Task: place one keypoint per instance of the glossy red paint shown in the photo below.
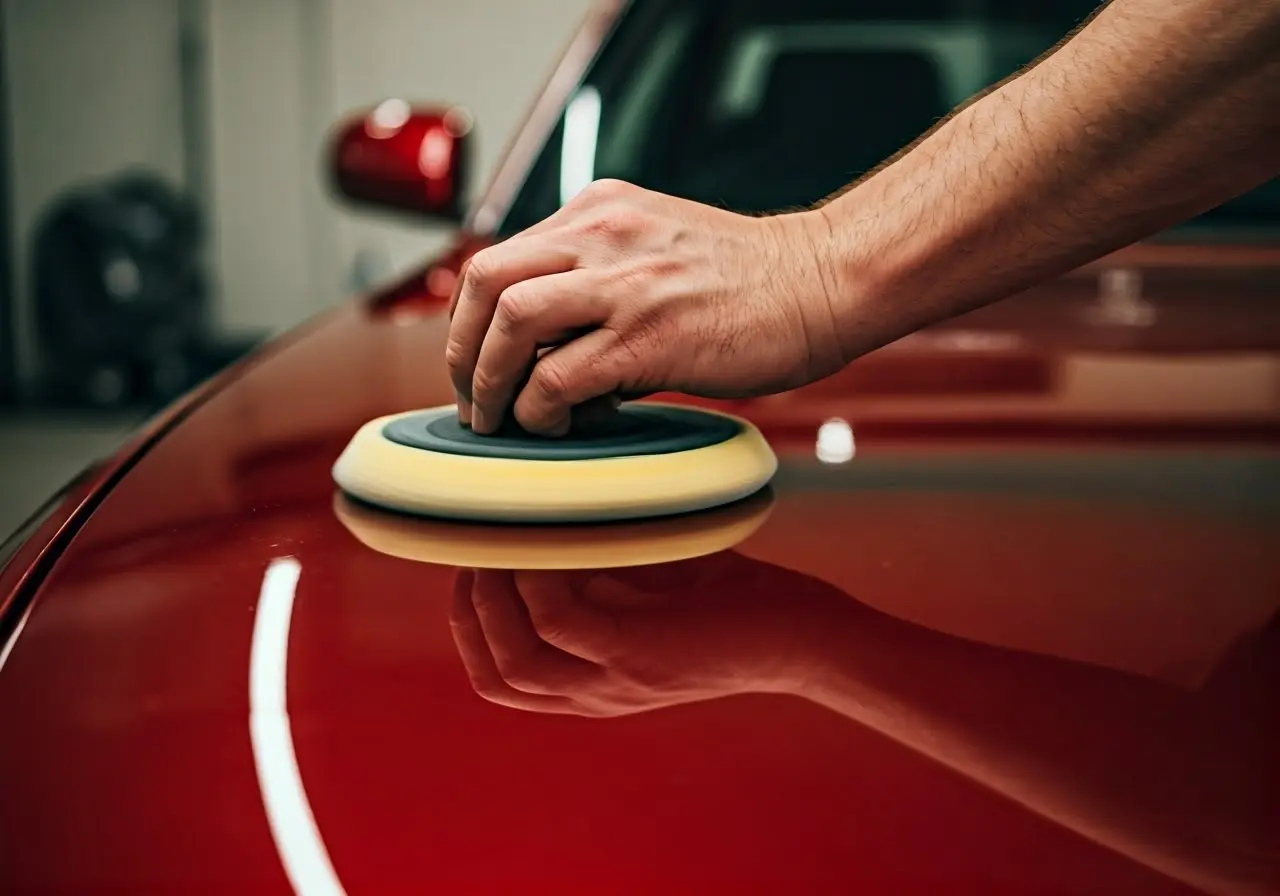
(1023, 640)
(874, 710)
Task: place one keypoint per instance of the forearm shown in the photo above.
(1154, 112)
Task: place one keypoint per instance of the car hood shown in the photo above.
(1031, 651)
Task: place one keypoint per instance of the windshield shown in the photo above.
(760, 105)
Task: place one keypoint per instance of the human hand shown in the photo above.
(624, 292)
(618, 642)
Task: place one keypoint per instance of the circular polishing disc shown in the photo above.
(651, 460)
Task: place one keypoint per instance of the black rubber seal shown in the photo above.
(636, 430)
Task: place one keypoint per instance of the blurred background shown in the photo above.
(162, 193)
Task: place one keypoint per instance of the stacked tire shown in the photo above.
(120, 298)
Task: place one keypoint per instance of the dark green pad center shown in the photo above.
(637, 429)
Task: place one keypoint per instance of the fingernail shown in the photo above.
(478, 421)
(464, 411)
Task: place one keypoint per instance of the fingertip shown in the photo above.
(556, 428)
(464, 411)
(550, 427)
(541, 419)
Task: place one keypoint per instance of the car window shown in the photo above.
(760, 106)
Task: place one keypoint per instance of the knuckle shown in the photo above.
(616, 224)
(480, 268)
(455, 354)
(520, 674)
(629, 222)
(461, 276)
(516, 308)
(483, 386)
(595, 224)
(548, 622)
(605, 188)
(551, 379)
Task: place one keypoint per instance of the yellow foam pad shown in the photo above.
(432, 483)
(596, 546)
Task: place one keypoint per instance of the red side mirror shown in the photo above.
(399, 157)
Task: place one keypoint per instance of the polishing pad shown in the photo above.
(651, 459)
(589, 546)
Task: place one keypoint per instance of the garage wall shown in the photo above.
(94, 88)
(264, 192)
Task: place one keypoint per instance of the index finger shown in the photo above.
(485, 276)
(541, 226)
(478, 661)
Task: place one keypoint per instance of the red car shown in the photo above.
(1005, 621)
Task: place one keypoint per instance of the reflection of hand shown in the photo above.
(624, 641)
(1184, 783)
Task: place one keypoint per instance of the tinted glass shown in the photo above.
(758, 105)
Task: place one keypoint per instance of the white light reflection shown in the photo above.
(13, 638)
(578, 149)
(835, 442)
(302, 851)
(433, 155)
(388, 118)
(1120, 300)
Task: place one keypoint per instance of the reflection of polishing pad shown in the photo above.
(650, 460)
(592, 546)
